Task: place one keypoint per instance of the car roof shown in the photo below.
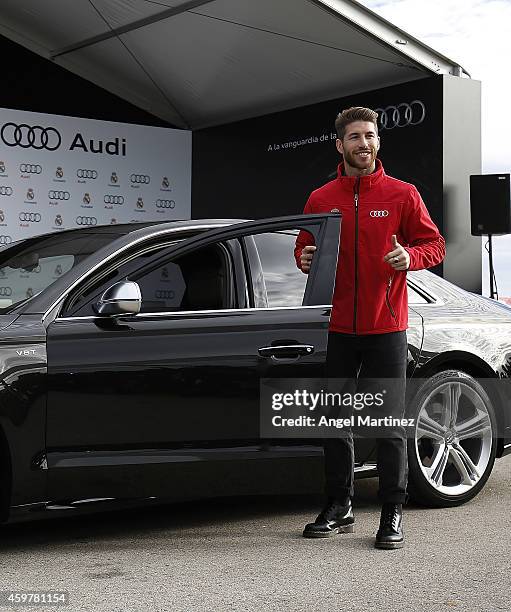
(126, 228)
(123, 229)
(151, 226)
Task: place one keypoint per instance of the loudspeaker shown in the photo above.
(490, 204)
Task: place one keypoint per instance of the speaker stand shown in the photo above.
(493, 293)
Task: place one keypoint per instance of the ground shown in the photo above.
(248, 554)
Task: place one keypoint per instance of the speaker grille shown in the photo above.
(490, 204)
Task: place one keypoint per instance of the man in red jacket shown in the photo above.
(386, 230)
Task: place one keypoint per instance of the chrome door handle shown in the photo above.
(286, 351)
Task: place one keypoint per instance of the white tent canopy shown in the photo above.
(199, 63)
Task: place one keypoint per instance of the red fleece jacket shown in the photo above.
(370, 297)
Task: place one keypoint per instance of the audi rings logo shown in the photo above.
(30, 216)
(30, 137)
(31, 168)
(86, 220)
(140, 178)
(164, 294)
(5, 291)
(86, 174)
(113, 199)
(379, 213)
(5, 239)
(59, 195)
(401, 115)
(165, 204)
(5, 191)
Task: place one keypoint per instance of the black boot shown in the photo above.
(336, 517)
(390, 533)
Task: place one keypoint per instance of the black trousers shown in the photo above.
(374, 356)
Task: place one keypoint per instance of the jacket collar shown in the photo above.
(366, 182)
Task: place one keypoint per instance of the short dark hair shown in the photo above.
(355, 113)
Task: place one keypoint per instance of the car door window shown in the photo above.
(200, 280)
(276, 280)
(224, 268)
(79, 303)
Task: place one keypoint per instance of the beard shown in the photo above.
(355, 161)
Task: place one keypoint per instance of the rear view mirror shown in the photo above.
(26, 261)
(120, 299)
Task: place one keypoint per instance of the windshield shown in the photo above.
(29, 266)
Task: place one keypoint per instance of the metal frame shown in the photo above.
(372, 25)
(135, 25)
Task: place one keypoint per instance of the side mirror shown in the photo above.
(122, 298)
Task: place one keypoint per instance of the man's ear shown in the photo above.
(378, 143)
(338, 146)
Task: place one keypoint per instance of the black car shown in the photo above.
(131, 357)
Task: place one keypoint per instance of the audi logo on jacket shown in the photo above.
(370, 297)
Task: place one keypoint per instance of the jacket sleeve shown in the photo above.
(304, 238)
(426, 246)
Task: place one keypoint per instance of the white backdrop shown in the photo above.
(63, 172)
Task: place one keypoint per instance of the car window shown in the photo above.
(79, 303)
(31, 277)
(276, 280)
(199, 280)
(31, 265)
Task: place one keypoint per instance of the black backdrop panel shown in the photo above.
(262, 167)
(32, 83)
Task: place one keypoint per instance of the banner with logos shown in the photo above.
(61, 172)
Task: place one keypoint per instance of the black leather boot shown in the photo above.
(390, 533)
(336, 517)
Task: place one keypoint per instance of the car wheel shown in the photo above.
(453, 449)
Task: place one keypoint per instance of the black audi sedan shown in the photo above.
(131, 357)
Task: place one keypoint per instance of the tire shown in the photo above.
(448, 464)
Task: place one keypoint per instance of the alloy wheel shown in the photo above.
(453, 438)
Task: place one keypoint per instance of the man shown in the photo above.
(385, 231)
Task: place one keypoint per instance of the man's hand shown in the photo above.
(398, 258)
(306, 258)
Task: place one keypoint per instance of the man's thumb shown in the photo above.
(394, 241)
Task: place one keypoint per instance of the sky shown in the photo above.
(476, 34)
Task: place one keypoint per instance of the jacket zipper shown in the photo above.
(387, 297)
(355, 299)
